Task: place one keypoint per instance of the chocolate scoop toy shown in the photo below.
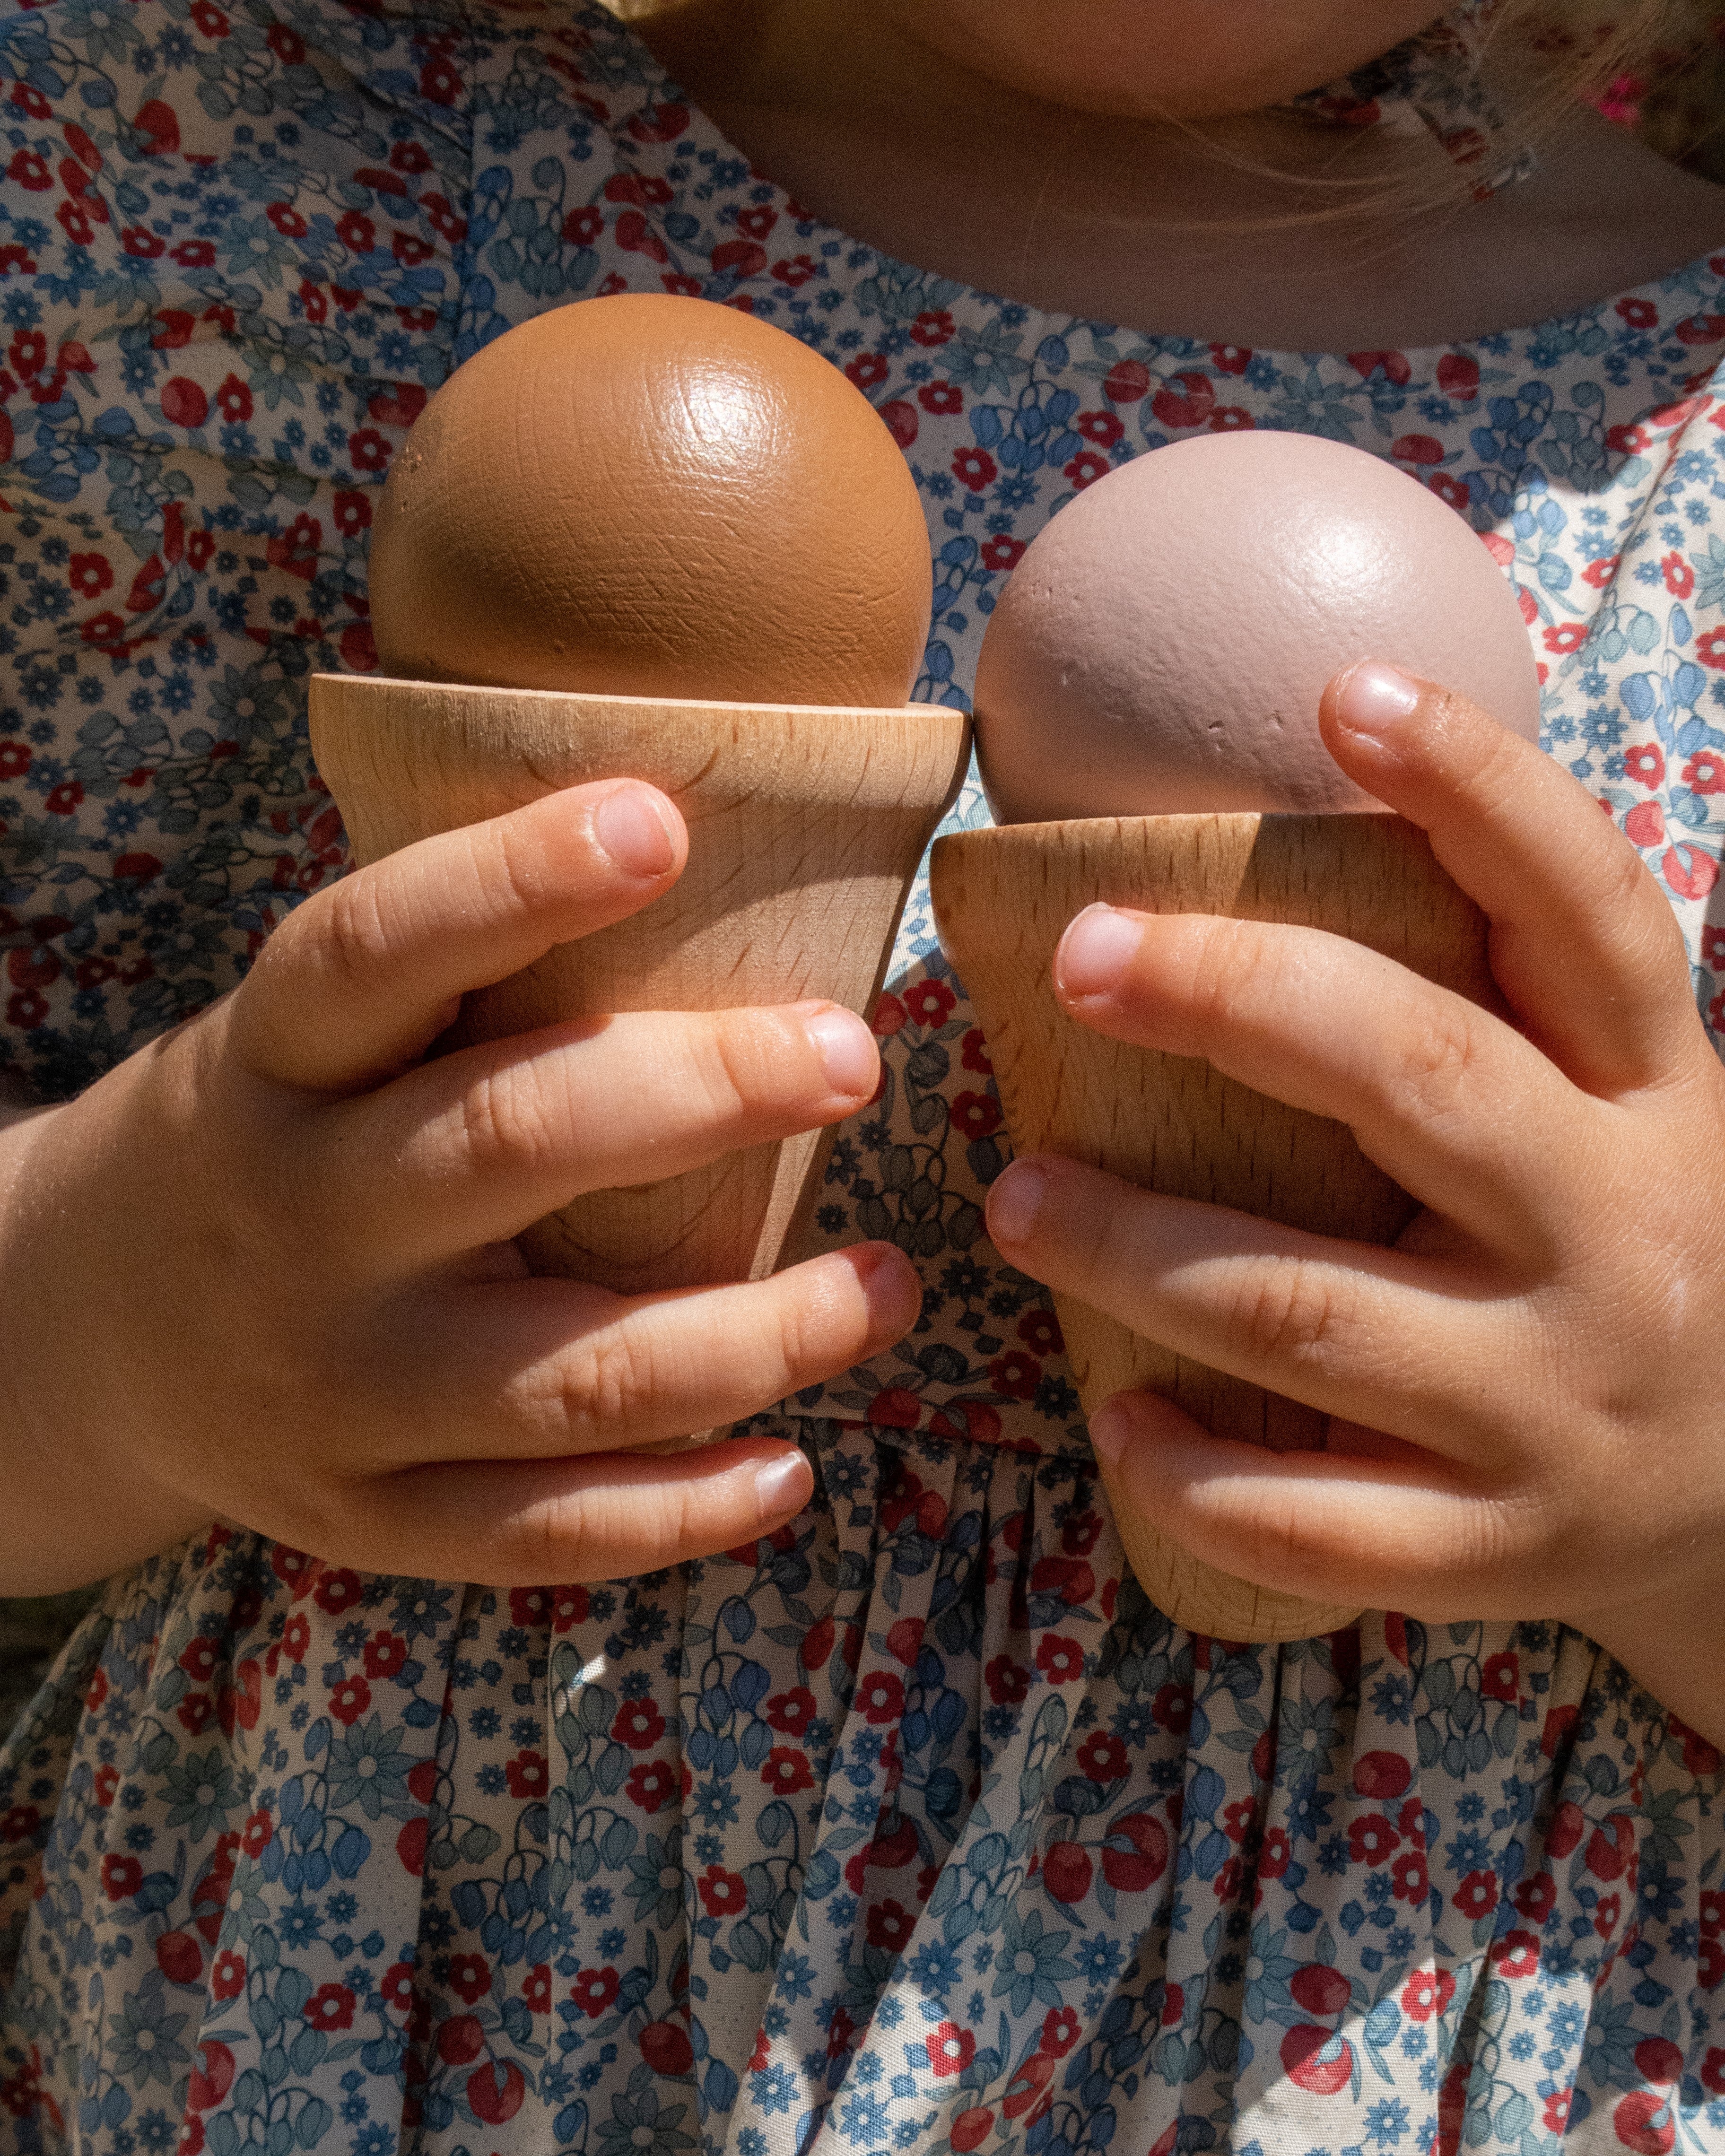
(654, 538)
(1159, 654)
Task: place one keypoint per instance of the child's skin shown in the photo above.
(262, 1271)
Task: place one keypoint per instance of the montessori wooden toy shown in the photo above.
(1161, 648)
(654, 539)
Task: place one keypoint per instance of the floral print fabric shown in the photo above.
(913, 1826)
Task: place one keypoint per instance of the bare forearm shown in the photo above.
(71, 1510)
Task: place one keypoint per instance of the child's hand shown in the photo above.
(1527, 1395)
(263, 1269)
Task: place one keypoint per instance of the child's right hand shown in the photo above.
(263, 1269)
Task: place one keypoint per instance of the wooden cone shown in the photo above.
(806, 826)
(1003, 898)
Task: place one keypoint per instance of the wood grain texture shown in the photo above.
(805, 829)
(1175, 1124)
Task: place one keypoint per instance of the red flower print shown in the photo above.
(974, 468)
(29, 171)
(408, 248)
(1699, 1757)
(257, 1835)
(1000, 552)
(386, 1654)
(1645, 824)
(194, 254)
(1417, 449)
(1500, 1676)
(1171, 1708)
(1477, 1894)
(183, 405)
(1556, 2110)
(107, 1785)
(1102, 1757)
(1559, 1721)
(722, 1893)
(1689, 872)
(1008, 1681)
(1231, 419)
(1320, 1989)
(529, 1776)
(200, 1660)
(196, 1712)
(934, 325)
(233, 400)
(1679, 576)
(1372, 1840)
(1713, 2071)
(122, 1876)
(439, 82)
(1643, 2120)
(335, 1592)
(1709, 1962)
(638, 1724)
(212, 2078)
(536, 1989)
(1458, 376)
(140, 242)
(786, 1771)
(651, 1786)
(1407, 1874)
(895, 1408)
(930, 1002)
(227, 1979)
(1644, 763)
(1705, 771)
(470, 1977)
(1517, 1954)
(1061, 2030)
(790, 1712)
(1015, 1376)
(1315, 2059)
(1427, 1992)
(1639, 313)
(1128, 381)
(368, 450)
(1061, 1661)
(330, 2006)
(209, 18)
(494, 2091)
(868, 369)
(1187, 401)
(65, 797)
(1536, 1897)
(179, 1958)
(1455, 491)
(1102, 427)
(975, 1115)
(1085, 469)
(796, 270)
(1710, 648)
(350, 1699)
(1275, 1855)
(1040, 1331)
(1567, 637)
(951, 2050)
(1231, 358)
(594, 1989)
(1599, 573)
(880, 1696)
(1240, 1820)
(942, 398)
(296, 1636)
(287, 220)
(582, 227)
(901, 421)
(15, 759)
(889, 1925)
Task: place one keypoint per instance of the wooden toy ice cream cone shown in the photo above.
(805, 828)
(1003, 898)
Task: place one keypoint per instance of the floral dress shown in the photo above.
(913, 1825)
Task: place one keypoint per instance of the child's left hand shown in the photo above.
(1527, 1393)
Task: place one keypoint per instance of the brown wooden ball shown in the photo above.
(646, 495)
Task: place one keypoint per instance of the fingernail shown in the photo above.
(779, 1485)
(1375, 699)
(846, 1050)
(1096, 950)
(1109, 1427)
(1015, 1200)
(632, 826)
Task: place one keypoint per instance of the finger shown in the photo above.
(1453, 1103)
(359, 980)
(1333, 1527)
(544, 1368)
(1585, 949)
(475, 1147)
(1378, 1337)
(607, 1516)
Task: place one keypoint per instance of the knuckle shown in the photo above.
(506, 1119)
(354, 944)
(1434, 1070)
(1287, 1313)
(737, 1068)
(607, 1389)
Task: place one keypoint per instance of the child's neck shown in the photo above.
(1169, 231)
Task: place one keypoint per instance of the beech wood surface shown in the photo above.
(1003, 898)
(806, 825)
